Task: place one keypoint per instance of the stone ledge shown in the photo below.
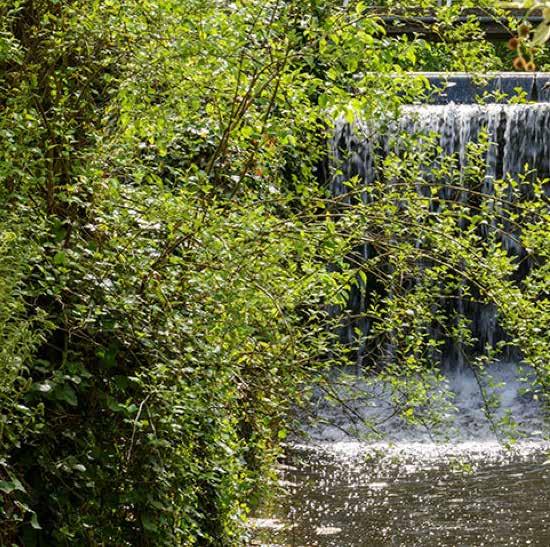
(464, 88)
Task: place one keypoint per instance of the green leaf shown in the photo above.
(34, 522)
(148, 523)
(59, 258)
(44, 387)
(66, 393)
(113, 405)
(541, 34)
(247, 131)
(7, 487)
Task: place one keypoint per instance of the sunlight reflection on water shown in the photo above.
(414, 487)
(353, 494)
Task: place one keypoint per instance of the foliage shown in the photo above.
(177, 262)
(165, 236)
(20, 334)
(530, 40)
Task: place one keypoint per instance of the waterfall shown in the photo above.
(518, 139)
(456, 412)
(520, 134)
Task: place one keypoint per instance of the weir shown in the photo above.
(368, 474)
(518, 142)
(462, 88)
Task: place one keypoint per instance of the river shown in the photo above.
(347, 494)
(413, 487)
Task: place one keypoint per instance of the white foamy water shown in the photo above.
(464, 408)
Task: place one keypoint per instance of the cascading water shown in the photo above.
(365, 475)
(520, 134)
(518, 144)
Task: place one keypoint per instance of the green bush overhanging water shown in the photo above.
(164, 241)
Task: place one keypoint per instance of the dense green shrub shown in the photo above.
(21, 333)
(164, 282)
(163, 252)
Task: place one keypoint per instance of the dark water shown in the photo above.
(348, 495)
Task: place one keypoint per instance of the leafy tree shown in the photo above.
(171, 257)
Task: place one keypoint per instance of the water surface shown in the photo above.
(351, 494)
